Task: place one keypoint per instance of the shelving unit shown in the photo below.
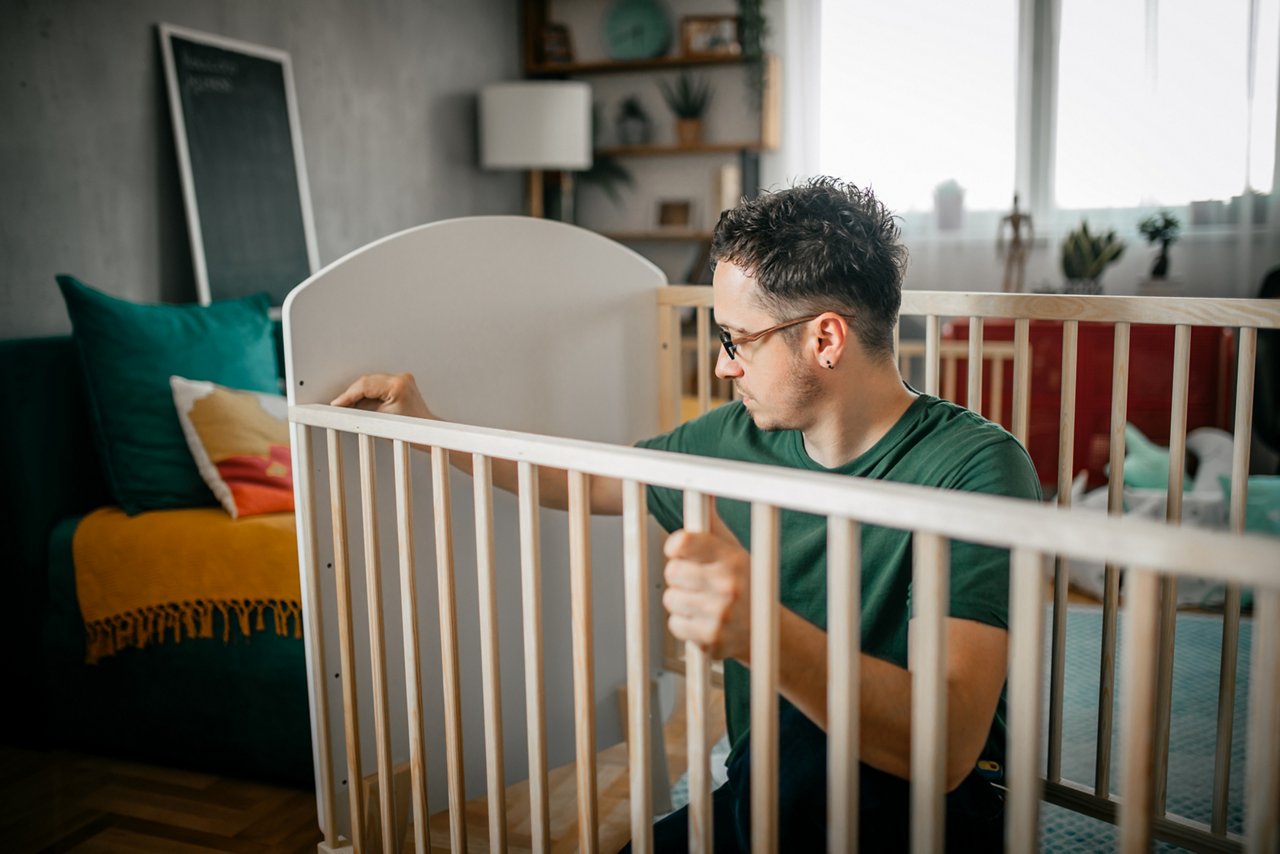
(614, 66)
(664, 170)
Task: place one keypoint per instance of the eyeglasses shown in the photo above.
(731, 346)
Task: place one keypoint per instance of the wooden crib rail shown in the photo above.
(1149, 550)
(1245, 317)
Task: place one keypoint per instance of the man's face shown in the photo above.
(773, 377)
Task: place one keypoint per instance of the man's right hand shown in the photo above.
(394, 393)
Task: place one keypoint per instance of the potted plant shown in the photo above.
(1085, 255)
(634, 125)
(1162, 228)
(607, 172)
(688, 98)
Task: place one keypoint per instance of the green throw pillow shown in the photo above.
(128, 352)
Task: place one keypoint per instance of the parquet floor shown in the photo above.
(59, 801)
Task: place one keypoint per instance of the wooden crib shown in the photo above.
(388, 290)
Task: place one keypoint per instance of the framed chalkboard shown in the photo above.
(244, 180)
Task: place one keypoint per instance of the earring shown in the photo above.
(829, 365)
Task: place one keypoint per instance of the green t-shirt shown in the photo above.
(935, 443)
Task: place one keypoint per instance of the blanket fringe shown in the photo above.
(179, 620)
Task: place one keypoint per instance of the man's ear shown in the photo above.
(833, 339)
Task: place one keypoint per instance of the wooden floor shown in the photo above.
(58, 801)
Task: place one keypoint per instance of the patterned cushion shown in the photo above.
(240, 442)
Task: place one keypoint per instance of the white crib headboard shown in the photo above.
(508, 322)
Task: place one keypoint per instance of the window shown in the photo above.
(1148, 103)
(916, 94)
(1153, 108)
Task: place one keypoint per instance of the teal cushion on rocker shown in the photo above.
(128, 351)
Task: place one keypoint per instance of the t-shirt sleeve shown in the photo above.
(980, 573)
(699, 437)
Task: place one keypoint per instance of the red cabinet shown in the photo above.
(1150, 386)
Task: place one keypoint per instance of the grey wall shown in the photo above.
(89, 180)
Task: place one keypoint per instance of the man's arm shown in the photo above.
(398, 394)
(975, 673)
(709, 601)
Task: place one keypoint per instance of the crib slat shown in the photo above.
(1061, 575)
(844, 640)
(377, 648)
(412, 667)
(697, 518)
(1026, 640)
(1262, 819)
(1178, 420)
(948, 373)
(932, 352)
(1021, 378)
(1169, 584)
(1141, 628)
(668, 367)
(443, 506)
(764, 678)
(636, 569)
(700, 351)
(1245, 366)
(973, 393)
(534, 688)
(584, 692)
(304, 472)
(931, 595)
(346, 638)
(995, 410)
(1067, 418)
(490, 669)
(1111, 574)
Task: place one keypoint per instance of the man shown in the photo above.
(807, 287)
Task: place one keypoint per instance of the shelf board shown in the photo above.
(612, 66)
(657, 234)
(663, 150)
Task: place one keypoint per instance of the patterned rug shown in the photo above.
(1196, 659)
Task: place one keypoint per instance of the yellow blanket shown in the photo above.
(165, 573)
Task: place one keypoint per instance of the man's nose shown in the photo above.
(726, 368)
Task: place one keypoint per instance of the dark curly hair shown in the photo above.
(824, 245)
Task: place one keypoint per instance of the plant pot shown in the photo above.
(688, 131)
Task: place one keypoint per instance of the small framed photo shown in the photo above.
(710, 35)
(675, 213)
(557, 45)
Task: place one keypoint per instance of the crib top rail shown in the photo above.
(1191, 311)
(995, 520)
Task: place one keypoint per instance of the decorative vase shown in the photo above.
(1160, 269)
(688, 131)
(633, 130)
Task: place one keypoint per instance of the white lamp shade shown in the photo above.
(536, 124)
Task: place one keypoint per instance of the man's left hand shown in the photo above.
(708, 596)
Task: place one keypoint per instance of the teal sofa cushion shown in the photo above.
(128, 351)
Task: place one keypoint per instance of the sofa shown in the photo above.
(236, 706)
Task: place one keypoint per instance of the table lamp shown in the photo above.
(537, 125)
